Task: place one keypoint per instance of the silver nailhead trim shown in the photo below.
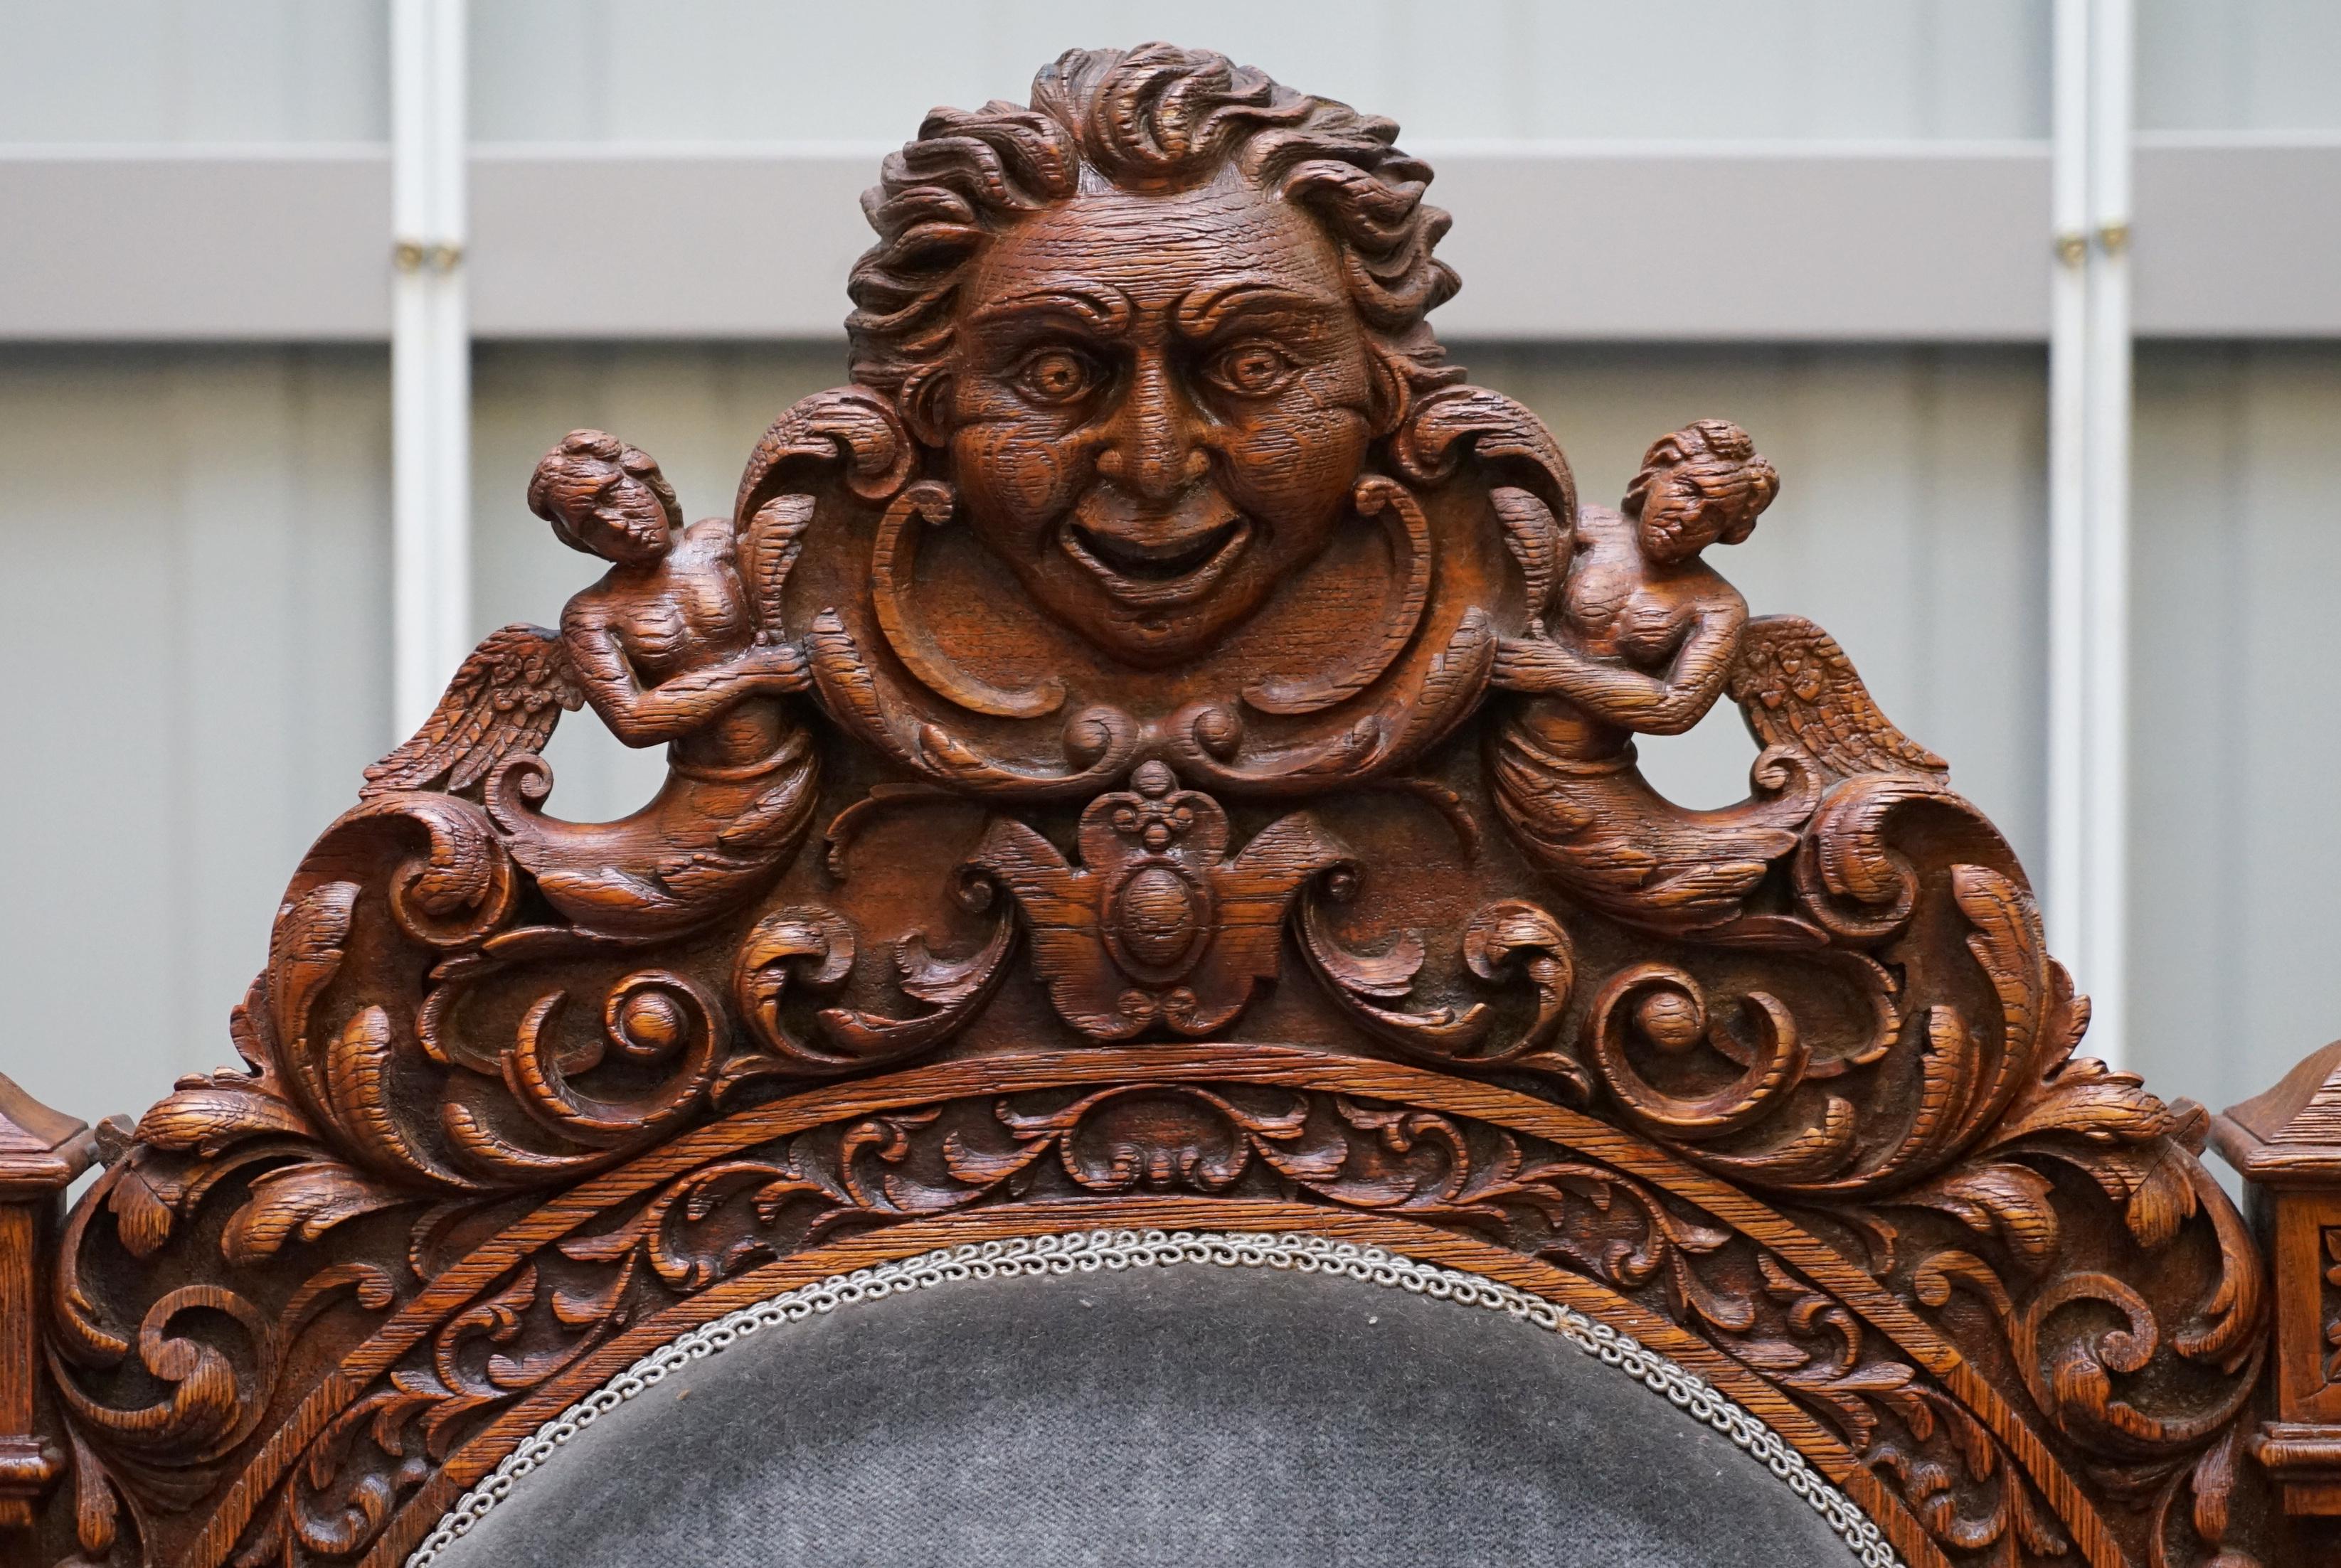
(1089, 1251)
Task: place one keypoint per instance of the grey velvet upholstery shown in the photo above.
(1192, 1414)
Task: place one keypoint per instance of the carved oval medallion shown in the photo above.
(1157, 917)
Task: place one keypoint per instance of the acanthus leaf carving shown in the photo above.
(706, 1225)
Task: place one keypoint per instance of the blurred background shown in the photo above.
(2035, 303)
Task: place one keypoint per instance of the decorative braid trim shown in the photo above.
(1087, 1251)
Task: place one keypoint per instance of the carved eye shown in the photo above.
(1057, 376)
(1252, 369)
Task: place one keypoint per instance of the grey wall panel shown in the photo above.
(195, 70)
(2235, 841)
(1940, 242)
(160, 244)
(1927, 242)
(743, 244)
(2238, 235)
(1864, 244)
(198, 582)
(731, 70)
(2239, 64)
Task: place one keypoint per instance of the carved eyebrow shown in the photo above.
(1205, 309)
(1099, 305)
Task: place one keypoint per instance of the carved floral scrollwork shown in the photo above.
(816, 946)
(2328, 1296)
(1508, 942)
(1666, 1008)
(651, 1019)
(708, 1224)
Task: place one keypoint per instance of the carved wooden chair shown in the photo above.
(1154, 1019)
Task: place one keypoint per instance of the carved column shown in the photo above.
(41, 1151)
(2288, 1144)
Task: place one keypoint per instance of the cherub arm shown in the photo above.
(1663, 704)
(642, 715)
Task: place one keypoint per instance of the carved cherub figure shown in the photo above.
(1647, 638)
(671, 646)
(1650, 630)
(668, 645)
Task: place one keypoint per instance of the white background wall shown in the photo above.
(196, 538)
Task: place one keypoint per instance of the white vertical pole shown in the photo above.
(2068, 482)
(430, 357)
(2106, 900)
(2087, 893)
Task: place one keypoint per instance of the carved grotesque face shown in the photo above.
(1159, 405)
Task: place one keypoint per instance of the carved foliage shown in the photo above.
(2328, 1296)
(1928, 1445)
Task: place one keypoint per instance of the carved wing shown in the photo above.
(1796, 688)
(505, 699)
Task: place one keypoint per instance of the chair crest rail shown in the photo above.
(1158, 746)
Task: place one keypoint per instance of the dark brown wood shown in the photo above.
(1220, 720)
(2288, 1144)
(41, 1153)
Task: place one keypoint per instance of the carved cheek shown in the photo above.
(1293, 468)
(1038, 480)
(1019, 482)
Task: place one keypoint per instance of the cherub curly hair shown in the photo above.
(1153, 118)
(1722, 463)
(580, 466)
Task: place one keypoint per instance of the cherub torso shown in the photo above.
(1622, 606)
(691, 612)
(1617, 603)
(693, 606)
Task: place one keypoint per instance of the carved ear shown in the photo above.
(924, 406)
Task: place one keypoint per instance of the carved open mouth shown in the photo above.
(1156, 575)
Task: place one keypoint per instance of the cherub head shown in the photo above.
(1705, 485)
(1156, 319)
(606, 498)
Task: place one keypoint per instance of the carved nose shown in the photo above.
(1155, 475)
(1152, 453)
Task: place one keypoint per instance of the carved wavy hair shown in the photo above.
(1151, 119)
(1722, 464)
(571, 477)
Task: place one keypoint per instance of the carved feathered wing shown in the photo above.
(1796, 688)
(505, 699)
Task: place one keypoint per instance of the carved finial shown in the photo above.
(40, 1150)
(2288, 1144)
(2290, 1135)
